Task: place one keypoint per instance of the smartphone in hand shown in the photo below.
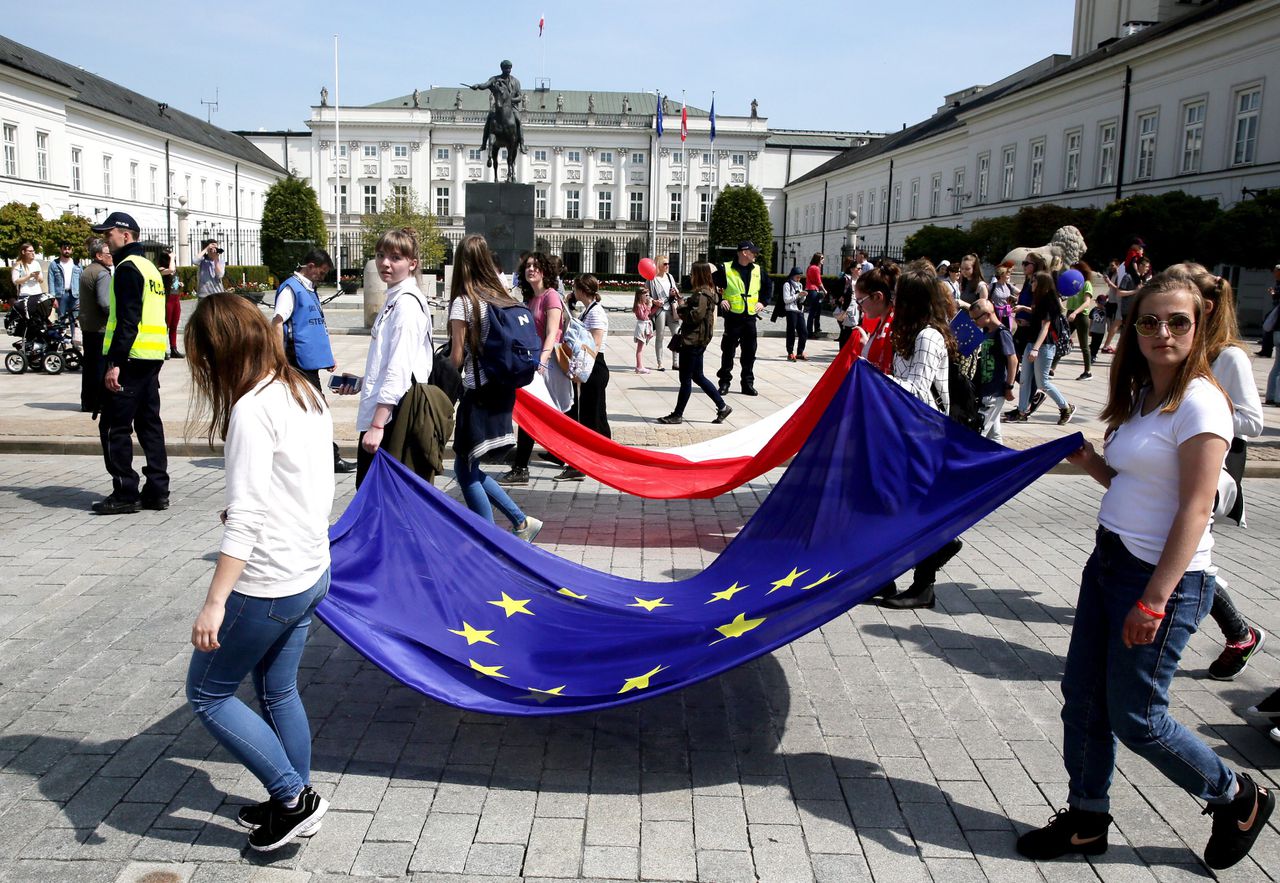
(345, 383)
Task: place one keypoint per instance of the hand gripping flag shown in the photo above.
(464, 612)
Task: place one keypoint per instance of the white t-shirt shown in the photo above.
(460, 309)
(399, 351)
(594, 319)
(31, 286)
(1233, 371)
(279, 473)
(1142, 501)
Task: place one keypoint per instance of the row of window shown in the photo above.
(12, 166)
(603, 157)
(1247, 111)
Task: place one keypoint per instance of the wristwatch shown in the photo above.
(1008, 387)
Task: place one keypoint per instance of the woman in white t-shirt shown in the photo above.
(1148, 583)
(589, 405)
(273, 565)
(26, 274)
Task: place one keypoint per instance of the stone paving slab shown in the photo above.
(887, 746)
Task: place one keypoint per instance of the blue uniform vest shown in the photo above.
(306, 338)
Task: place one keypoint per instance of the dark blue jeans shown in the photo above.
(265, 637)
(1112, 692)
(813, 312)
(796, 331)
(691, 373)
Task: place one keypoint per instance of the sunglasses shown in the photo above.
(1178, 325)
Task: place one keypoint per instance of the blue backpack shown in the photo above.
(509, 354)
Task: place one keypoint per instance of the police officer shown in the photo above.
(306, 337)
(133, 352)
(744, 289)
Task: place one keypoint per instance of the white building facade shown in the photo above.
(1181, 103)
(73, 142)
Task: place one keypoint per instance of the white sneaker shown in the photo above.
(529, 530)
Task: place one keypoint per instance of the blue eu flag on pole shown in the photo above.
(713, 119)
(659, 126)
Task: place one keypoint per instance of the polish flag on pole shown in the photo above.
(542, 20)
(684, 121)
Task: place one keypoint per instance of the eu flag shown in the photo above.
(659, 116)
(468, 614)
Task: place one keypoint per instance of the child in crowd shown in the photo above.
(641, 307)
(996, 369)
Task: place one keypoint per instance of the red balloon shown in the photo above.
(648, 269)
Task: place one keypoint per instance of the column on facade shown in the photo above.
(458, 190)
(554, 209)
(384, 172)
(589, 209)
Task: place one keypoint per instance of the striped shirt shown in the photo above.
(460, 310)
(925, 374)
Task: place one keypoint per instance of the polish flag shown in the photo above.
(684, 122)
(542, 20)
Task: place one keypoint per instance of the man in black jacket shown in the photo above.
(133, 352)
(744, 289)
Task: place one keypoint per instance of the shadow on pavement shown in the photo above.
(977, 654)
(55, 496)
(54, 406)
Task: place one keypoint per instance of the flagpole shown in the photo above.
(655, 169)
(714, 183)
(684, 187)
(337, 166)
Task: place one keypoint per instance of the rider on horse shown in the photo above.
(506, 93)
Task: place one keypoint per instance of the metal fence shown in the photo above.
(240, 248)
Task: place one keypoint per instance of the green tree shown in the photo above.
(1174, 226)
(1034, 225)
(1248, 234)
(406, 211)
(937, 243)
(291, 223)
(68, 228)
(18, 224)
(992, 238)
(739, 213)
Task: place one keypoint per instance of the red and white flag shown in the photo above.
(684, 122)
(542, 20)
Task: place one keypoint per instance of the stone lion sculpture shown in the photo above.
(1065, 248)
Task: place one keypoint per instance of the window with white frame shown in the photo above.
(1037, 167)
(204, 194)
(1146, 162)
(604, 205)
(1071, 168)
(342, 198)
(884, 203)
(106, 175)
(1107, 154)
(540, 155)
(342, 151)
(676, 206)
(442, 154)
(400, 151)
(871, 207)
(605, 157)
(708, 159)
(984, 177)
(77, 169)
(573, 156)
(636, 210)
(370, 199)
(474, 154)
(915, 199)
(400, 197)
(133, 181)
(737, 159)
(42, 156)
(186, 190)
(1010, 166)
(217, 191)
(677, 157)
(371, 151)
(637, 159)
(704, 207)
(540, 202)
(859, 208)
(155, 186)
(957, 190)
(573, 204)
(935, 196)
(442, 202)
(897, 202)
(1248, 111)
(11, 150)
(1192, 137)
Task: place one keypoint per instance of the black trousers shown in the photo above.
(589, 399)
(313, 377)
(91, 389)
(691, 373)
(135, 409)
(738, 330)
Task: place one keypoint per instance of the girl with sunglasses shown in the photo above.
(1148, 584)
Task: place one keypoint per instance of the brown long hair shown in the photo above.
(881, 280)
(1221, 327)
(700, 276)
(476, 279)
(231, 348)
(1130, 371)
(918, 303)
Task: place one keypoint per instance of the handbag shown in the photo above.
(576, 352)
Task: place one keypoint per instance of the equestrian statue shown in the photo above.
(502, 127)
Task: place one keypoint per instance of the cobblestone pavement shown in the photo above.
(893, 746)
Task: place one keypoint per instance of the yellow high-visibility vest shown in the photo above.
(152, 341)
(734, 289)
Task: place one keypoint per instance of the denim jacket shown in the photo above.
(58, 286)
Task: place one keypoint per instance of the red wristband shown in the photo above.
(1148, 611)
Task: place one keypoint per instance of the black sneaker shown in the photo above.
(514, 477)
(1037, 399)
(1064, 414)
(157, 504)
(568, 474)
(1015, 416)
(1236, 825)
(1085, 376)
(280, 825)
(722, 413)
(1068, 831)
(254, 816)
(1269, 707)
(671, 419)
(748, 390)
(723, 387)
(1233, 660)
(113, 505)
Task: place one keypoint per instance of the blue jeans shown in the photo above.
(813, 312)
(796, 331)
(1115, 692)
(1041, 367)
(1273, 379)
(265, 636)
(691, 373)
(478, 489)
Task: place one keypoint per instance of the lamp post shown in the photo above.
(849, 247)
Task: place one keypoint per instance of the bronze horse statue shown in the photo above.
(504, 133)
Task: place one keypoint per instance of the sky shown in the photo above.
(821, 64)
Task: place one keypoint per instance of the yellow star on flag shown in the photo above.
(493, 671)
(785, 583)
(512, 606)
(641, 682)
(727, 593)
(739, 627)
(825, 578)
(649, 605)
(571, 594)
(474, 635)
(542, 696)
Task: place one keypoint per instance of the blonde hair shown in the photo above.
(476, 279)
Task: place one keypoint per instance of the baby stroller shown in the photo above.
(42, 344)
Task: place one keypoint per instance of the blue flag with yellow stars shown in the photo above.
(464, 612)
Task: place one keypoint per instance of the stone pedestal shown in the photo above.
(375, 292)
(503, 214)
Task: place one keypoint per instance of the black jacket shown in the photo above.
(129, 286)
